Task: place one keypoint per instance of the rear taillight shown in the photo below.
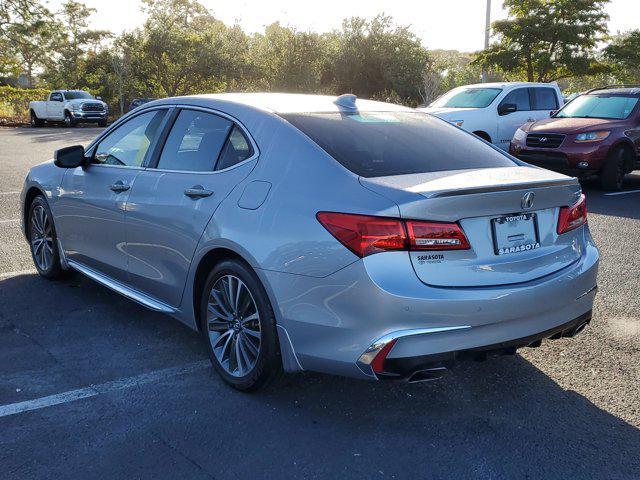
(572, 217)
(436, 236)
(364, 234)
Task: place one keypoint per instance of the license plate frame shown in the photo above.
(515, 217)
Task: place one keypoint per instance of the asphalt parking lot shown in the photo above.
(116, 391)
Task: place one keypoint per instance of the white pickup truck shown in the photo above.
(494, 111)
(69, 106)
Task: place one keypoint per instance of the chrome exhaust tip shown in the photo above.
(428, 375)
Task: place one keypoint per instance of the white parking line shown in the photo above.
(94, 390)
(17, 273)
(10, 220)
(9, 193)
(622, 193)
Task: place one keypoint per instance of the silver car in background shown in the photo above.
(333, 234)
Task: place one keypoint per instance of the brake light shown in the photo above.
(436, 236)
(365, 234)
(572, 217)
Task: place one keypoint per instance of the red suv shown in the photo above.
(597, 133)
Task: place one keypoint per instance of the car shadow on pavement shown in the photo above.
(503, 418)
(80, 134)
(615, 204)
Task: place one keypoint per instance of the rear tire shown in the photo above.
(35, 121)
(240, 334)
(612, 174)
(43, 240)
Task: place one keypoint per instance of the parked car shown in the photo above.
(304, 232)
(69, 106)
(598, 133)
(494, 111)
(136, 102)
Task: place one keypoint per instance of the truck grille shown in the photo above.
(92, 107)
(544, 140)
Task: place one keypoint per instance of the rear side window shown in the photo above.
(195, 142)
(236, 150)
(374, 144)
(544, 98)
(519, 97)
(56, 97)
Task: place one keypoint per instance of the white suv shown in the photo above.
(494, 111)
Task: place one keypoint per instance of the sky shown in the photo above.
(445, 24)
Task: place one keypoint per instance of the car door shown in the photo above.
(55, 106)
(93, 199)
(205, 156)
(508, 123)
(543, 101)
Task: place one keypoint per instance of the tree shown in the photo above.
(74, 45)
(546, 40)
(624, 55)
(26, 34)
(287, 60)
(378, 59)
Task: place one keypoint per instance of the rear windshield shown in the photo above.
(467, 98)
(599, 106)
(374, 144)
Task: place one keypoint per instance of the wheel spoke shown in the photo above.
(253, 333)
(236, 341)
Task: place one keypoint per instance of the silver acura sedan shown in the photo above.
(333, 234)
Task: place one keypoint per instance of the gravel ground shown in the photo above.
(149, 406)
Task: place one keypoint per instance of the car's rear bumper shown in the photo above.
(333, 321)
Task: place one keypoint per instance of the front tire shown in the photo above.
(612, 174)
(239, 327)
(43, 240)
(69, 121)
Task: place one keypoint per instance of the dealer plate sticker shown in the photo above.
(515, 233)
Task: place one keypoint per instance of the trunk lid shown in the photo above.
(488, 204)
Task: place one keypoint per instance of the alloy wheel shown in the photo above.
(233, 324)
(41, 238)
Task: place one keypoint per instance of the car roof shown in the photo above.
(509, 85)
(285, 102)
(635, 91)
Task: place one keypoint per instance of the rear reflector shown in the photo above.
(572, 217)
(364, 234)
(377, 364)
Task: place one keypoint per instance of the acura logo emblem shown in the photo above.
(527, 200)
(543, 139)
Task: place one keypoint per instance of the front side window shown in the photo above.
(544, 98)
(599, 106)
(195, 142)
(376, 144)
(128, 145)
(518, 97)
(467, 98)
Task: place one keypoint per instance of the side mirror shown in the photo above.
(69, 157)
(98, 97)
(507, 108)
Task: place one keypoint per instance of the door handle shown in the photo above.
(119, 186)
(198, 191)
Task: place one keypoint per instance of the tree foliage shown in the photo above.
(624, 55)
(546, 40)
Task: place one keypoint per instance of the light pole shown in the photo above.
(487, 34)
